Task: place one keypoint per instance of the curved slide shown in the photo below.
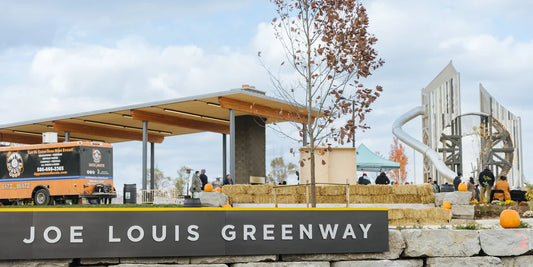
(433, 156)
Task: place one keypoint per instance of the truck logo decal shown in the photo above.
(97, 156)
(14, 164)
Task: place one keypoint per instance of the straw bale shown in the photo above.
(261, 199)
(241, 198)
(358, 199)
(261, 189)
(360, 190)
(300, 190)
(428, 199)
(286, 190)
(333, 190)
(331, 199)
(424, 190)
(395, 214)
(379, 189)
(404, 189)
(289, 199)
(235, 189)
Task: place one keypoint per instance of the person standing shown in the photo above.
(434, 185)
(196, 185)
(486, 181)
(457, 181)
(363, 180)
(227, 180)
(203, 178)
(382, 178)
(471, 187)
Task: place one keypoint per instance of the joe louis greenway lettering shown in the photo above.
(158, 232)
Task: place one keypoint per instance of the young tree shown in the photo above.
(397, 154)
(328, 46)
(279, 170)
(161, 181)
(182, 181)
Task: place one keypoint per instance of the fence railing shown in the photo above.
(147, 196)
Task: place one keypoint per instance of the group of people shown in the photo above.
(487, 183)
(381, 179)
(199, 180)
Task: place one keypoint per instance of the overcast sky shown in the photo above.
(64, 57)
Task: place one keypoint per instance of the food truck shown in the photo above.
(47, 174)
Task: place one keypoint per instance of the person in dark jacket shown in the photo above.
(486, 181)
(363, 180)
(227, 180)
(457, 181)
(382, 178)
(203, 178)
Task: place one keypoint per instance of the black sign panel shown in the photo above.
(56, 162)
(190, 232)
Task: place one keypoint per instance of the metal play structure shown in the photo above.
(494, 133)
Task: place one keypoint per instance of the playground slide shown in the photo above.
(433, 156)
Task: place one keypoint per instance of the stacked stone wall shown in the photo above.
(409, 247)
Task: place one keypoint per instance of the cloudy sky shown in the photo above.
(64, 57)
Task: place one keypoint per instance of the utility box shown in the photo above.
(49, 138)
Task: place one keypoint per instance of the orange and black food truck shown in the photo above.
(56, 173)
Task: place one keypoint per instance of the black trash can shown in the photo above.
(130, 194)
(192, 202)
(446, 188)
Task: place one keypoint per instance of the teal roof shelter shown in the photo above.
(367, 160)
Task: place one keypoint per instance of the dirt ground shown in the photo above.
(492, 211)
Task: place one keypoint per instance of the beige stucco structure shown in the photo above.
(340, 165)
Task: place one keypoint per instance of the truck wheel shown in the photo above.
(41, 197)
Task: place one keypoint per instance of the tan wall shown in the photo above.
(340, 166)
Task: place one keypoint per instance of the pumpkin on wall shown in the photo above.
(509, 219)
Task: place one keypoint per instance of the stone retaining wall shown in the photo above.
(409, 247)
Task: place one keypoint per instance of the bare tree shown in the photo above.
(279, 170)
(327, 44)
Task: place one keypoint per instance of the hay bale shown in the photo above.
(241, 198)
(286, 190)
(424, 190)
(235, 189)
(358, 199)
(404, 189)
(360, 190)
(264, 189)
(262, 199)
(331, 199)
(380, 190)
(289, 199)
(333, 190)
(395, 214)
(300, 190)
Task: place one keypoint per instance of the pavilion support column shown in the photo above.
(145, 157)
(67, 136)
(152, 167)
(232, 144)
(249, 148)
(224, 160)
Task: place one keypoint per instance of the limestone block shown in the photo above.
(162, 260)
(462, 262)
(233, 259)
(520, 261)
(396, 246)
(168, 265)
(455, 198)
(99, 261)
(213, 199)
(388, 263)
(283, 264)
(505, 242)
(36, 263)
(463, 211)
(440, 243)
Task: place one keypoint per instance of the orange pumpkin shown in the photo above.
(462, 187)
(208, 188)
(509, 219)
(446, 205)
(227, 206)
(218, 189)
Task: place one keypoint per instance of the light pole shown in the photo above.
(353, 118)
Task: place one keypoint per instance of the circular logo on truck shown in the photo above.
(15, 166)
(97, 156)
